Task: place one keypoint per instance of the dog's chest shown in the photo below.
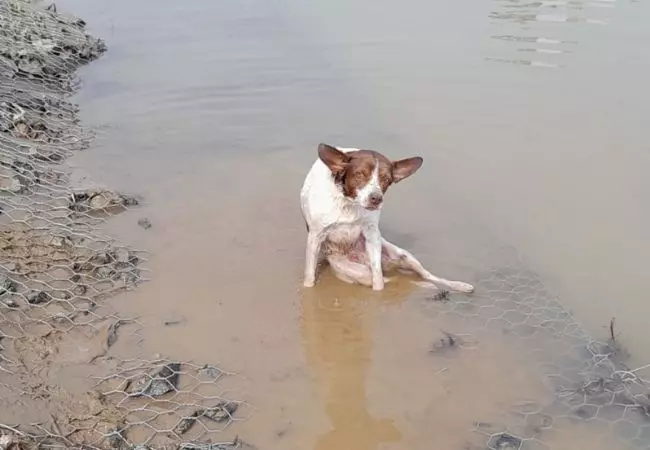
(344, 233)
(326, 210)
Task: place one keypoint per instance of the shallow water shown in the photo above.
(530, 118)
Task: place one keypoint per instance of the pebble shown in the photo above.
(38, 297)
(158, 382)
(144, 223)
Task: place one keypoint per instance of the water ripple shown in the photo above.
(549, 29)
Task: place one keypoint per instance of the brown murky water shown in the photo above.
(530, 117)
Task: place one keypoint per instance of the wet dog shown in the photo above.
(341, 201)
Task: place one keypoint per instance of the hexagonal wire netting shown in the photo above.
(591, 383)
(57, 271)
(590, 378)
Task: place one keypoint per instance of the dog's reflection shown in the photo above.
(336, 322)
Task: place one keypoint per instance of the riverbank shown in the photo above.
(59, 386)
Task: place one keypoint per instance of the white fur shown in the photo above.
(335, 219)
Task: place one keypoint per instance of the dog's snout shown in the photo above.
(375, 199)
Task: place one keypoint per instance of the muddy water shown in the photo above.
(529, 116)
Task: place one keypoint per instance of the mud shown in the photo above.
(59, 385)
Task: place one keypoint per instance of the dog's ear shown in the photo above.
(333, 158)
(405, 168)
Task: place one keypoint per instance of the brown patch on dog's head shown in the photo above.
(366, 173)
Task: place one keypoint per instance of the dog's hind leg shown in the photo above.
(405, 260)
(350, 271)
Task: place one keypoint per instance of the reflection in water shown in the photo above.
(337, 341)
(530, 17)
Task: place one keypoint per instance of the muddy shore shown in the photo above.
(59, 385)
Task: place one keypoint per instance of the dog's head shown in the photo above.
(366, 175)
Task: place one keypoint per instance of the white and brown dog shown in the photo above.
(341, 201)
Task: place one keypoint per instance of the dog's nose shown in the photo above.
(375, 199)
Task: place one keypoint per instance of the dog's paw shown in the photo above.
(308, 283)
(459, 286)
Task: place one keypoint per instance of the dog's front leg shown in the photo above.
(314, 243)
(373, 249)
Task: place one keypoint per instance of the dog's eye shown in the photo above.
(385, 181)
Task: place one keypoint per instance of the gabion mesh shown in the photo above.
(57, 272)
(591, 382)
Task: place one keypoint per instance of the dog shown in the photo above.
(341, 201)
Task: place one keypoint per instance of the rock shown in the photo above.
(104, 200)
(9, 181)
(100, 201)
(22, 130)
(144, 223)
(221, 412)
(31, 65)
(59, 241)
(7, 69)
(9, 302)
(104, 273)
(447, 342)
(505, 441)
(7, 286)
(7, 441)
(185, 424)
(71, 20)
(102, 258)
(158, 382)
(116, 440)
(12, 266)
(122, 255)
(38, 298)
(234, 445)
(211, 371)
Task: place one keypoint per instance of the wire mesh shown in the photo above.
(590, 380)
(57, 272)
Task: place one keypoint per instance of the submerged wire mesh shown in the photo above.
(57, 272)
(591, 383)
